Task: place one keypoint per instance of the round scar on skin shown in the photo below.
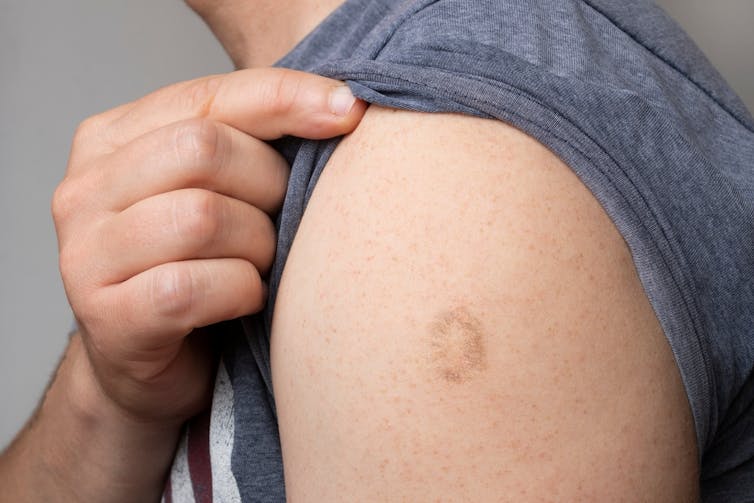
(457, 351)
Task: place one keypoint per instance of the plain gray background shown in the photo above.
(62, 61)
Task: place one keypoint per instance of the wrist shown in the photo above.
(91, 406)
(144, 448)
(87, 447)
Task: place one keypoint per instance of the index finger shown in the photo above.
(266, 103)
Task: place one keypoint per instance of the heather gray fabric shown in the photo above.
(616, 90)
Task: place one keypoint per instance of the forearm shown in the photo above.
(80, 447)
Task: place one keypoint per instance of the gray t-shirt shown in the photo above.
(617, 91)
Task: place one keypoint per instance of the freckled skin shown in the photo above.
(524, 379)
(457, 351)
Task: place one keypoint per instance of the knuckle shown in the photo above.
(199, 145)
(173, 292)
(200, 94)
(197, 218)
(89, 128)
(85, 128)
(65, 200)
(283, 91)
(91, 135)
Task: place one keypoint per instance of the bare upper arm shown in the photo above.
(459, 320)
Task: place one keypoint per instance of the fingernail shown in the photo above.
(341, 100)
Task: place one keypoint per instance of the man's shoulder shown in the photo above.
(456, 301)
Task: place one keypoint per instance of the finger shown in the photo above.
(197, 153)
(162, 305)
(266, 103)
(181, 225)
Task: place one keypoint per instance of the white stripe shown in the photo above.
(180, 476)
(221, 435)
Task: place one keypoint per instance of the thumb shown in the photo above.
(266, 103)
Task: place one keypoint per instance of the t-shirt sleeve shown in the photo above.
(621, 116)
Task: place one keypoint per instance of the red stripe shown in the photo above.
(199, 463)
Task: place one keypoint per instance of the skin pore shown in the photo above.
(257, 33)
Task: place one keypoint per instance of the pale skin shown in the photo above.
(497, 347)
(483, 336)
